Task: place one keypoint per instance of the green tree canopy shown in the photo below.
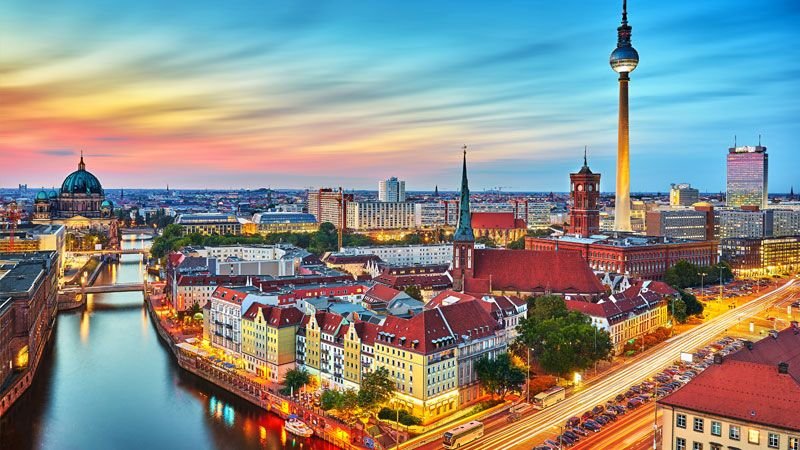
(295, 379)
(376, 389)
(677, 309)
(413, 292)
(499, 375)
(562, 341)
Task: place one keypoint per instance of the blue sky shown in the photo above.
(308, 93)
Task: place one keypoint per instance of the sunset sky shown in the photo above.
(343, 93)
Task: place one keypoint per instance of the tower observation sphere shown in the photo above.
(624, 58)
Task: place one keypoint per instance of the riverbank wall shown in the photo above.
(324, 426)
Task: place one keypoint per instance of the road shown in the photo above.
(633, 431)
(530, 430)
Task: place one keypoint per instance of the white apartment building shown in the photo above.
(408, 254)
(362, 216)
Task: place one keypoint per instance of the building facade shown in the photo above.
(747, 176)
(635, 256)
(329, 205)
(209, 223)
(392, 190)
(269, 339)
(750, 257)
(683, 194)
(365, 216)
(696, 224)
(285, 222)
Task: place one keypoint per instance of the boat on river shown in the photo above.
(296, 426)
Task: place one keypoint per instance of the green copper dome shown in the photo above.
(81, 182)
(53, 194)
(106, 204)
(41, 195)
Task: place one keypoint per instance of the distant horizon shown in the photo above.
(344, 94)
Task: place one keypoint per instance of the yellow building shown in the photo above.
(269, 340)
(359, 352)
(420, 354)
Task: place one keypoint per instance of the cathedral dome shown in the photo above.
(41, 195)
(81, 182)
(106, 204)
(53, 194)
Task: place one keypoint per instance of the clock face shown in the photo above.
(580, 187)
(591, 187)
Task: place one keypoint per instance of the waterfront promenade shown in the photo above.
(251, 388)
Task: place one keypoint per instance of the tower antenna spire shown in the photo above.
(759, 140)
(624, 11)
(585, 149)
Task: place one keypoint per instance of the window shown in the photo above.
(716, 428)
(753, 436)
(773, 440)
(697, 446)
(734, 432)
(680, 444)
(794, 443)
(698, 424)
(680, 421)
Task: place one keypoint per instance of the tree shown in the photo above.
(562, 341)
(518, 244)
(295, 379)
(413, 292)
(682, 275)
(499, 375)
(693, 307)
(330, 400)
(486, 240)
(546, 307)
(677, 309)
(376, 389)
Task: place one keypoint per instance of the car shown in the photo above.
(630, 394)
(636, 389)
(619, 398)
(573, 421)
(634, 403)
(579, 431)
(572, 435)
(552, 444)
(587, 415)
(619, 409)
(591, 425)
(598, 409)
(602, 420)
(568, 441)
(542, 447)
(609, 417)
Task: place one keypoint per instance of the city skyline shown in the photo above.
(312, 96)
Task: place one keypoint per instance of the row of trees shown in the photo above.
(685, 274)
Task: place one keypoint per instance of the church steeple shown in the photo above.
(81, 165)
(464, 228)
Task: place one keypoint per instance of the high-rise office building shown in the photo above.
(329, 205)
(392, 190)
(747, 176)
(683, 194)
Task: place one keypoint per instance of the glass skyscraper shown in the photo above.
(747, 176)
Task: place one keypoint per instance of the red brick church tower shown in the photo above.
(463, 238)
(584, 218)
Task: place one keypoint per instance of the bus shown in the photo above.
(463, 434)
(549, 397)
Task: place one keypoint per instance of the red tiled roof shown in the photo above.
(229, 295)
(746, 391)
(433, 281)
(351, 259)
(424, 328)
(382, 293)
(496, 221)
(367, 332)
(532, 271)
(328, 322)
(617, 311)
(785, 347)
(658, 287)
(209, 280)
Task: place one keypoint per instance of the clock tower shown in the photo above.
(584, 218)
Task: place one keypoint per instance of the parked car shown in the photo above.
(579, 431)
(602, 420)
(591, 425)
(573, 421)
(587, 415)
(572, 435)
(619, 398)
(552, 444)
(598, 409)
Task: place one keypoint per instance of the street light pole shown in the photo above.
(528, 384)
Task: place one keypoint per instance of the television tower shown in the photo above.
(623, 60)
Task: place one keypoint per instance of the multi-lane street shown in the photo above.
(524, 433)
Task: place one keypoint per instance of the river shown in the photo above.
(108, 382)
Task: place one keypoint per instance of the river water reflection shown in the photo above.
(107, 382)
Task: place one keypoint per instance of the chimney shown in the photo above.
(783, 368)
(718, 359)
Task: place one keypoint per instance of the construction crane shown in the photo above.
(340, 230)
(12, 217)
